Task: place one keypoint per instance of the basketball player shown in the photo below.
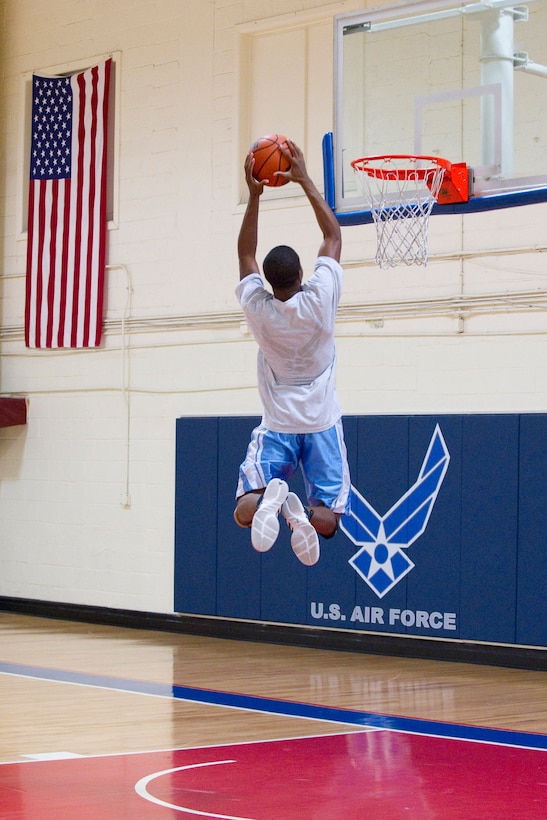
(301, 422)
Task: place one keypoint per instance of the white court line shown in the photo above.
(141, 790)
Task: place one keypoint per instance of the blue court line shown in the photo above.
(286, 708)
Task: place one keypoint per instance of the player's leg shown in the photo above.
(262, 489)
(327, 478)
(304, 540)
(259, 510)
(246, 507)
(265, 523)
(324, 520)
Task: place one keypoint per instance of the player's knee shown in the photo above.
(246, 508)
(324, 520)
(241, 520)
(334, 529)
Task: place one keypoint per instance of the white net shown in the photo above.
(400, 191)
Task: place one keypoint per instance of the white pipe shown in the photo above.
(497, 68)
(522, 63)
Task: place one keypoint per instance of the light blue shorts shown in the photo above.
(321, 456)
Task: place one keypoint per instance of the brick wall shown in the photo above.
(87, 485)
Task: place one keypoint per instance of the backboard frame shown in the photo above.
(490, 189)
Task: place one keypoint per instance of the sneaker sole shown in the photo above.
(304, 540)
(305, 544)
(265, 526)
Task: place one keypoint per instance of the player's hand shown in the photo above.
(298, 171)
(255, 187)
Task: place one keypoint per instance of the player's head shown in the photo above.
(282, 267)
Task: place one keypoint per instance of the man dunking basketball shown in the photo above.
(301, 422)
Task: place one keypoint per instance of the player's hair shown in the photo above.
(282, 267)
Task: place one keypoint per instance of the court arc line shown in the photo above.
(140, 788)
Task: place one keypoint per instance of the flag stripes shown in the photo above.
(67, 210)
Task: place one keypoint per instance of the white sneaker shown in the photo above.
(265, 526)
(304, 540)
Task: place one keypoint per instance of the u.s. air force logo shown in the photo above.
(381, 561)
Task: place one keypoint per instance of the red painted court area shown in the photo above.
(382, 775)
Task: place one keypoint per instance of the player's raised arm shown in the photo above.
(248, 233)
(332, 236)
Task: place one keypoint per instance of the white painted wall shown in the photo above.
(87, 486)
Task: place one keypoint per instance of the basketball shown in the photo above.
(268, 159)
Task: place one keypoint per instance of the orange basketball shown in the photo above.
(268, 159)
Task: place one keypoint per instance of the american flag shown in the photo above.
(67, 209)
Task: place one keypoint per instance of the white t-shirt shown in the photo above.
(297, 354)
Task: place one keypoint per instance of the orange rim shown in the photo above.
(361, 164)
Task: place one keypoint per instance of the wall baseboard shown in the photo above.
(338, 640)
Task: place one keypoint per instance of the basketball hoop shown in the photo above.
(401, 190)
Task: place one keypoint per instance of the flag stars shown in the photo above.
(52, 115)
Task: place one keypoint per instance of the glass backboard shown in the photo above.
(463, 81)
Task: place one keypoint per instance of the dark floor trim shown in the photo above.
(340, 640)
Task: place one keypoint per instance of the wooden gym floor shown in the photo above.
(106, 722)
